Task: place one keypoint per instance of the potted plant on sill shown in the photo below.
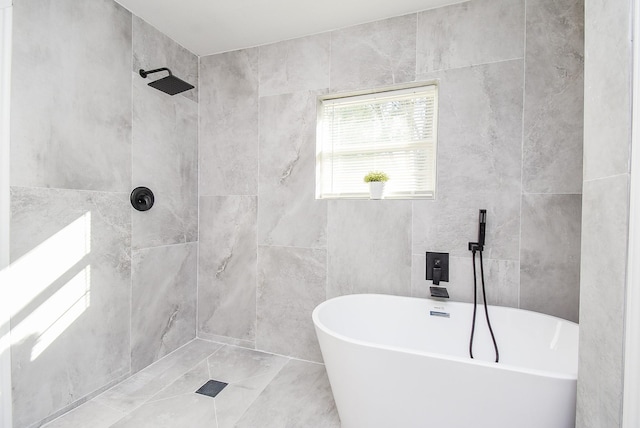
(376, 180)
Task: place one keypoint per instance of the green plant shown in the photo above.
(376, 176)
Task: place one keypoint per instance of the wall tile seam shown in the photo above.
(293, 247)
(256, 281)
(266, 352)
(132, 83)
(136, 250)
(609, 177)
(340, 29)
(468, 257)
(419, 76)
(552, 193)
(208, 339)
(415, 73)
(319, 92)
(111, 192)
(522, 149)
(198, 184)
(315, 189)
(228, 195)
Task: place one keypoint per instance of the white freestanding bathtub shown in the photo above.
(401, 362)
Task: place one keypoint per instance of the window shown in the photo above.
(392, 131)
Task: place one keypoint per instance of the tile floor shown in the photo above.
(264, 391)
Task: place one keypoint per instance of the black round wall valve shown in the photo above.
(142, 198)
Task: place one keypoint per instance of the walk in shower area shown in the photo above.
(187, 302)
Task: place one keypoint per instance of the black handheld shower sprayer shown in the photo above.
(479, 247)
(482, 224)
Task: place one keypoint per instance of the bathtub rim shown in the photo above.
(508, 367)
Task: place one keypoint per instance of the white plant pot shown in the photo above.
(376, 189)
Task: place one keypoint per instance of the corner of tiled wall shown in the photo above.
(78, 148)
(164, 239)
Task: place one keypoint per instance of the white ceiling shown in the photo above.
(212, 26)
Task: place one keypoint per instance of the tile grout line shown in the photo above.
(256, 281)
(164, 246)
(421, 77)
(131, 163)
(522, 148)
(593, 180)
(198, 184)
(68, 189)
(328, 203)
(262, 391)
(266, 352)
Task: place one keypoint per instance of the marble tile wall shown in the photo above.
(70, 251)
(59, 66)
(164, 239)
(227, 260)
(85, 130)
(605, 218)
(163, 302)
(502, 139)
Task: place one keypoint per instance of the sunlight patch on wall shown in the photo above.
(60, 311)
(45, 303)
(33, 273)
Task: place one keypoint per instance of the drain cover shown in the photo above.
(211, 388)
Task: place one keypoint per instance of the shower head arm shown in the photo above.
(144, 73)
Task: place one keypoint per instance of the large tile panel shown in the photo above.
(550, 254)
(227, 267)
(70, 327)
(163, 301)
(479, 162)
(295, 65)
(602, 302)
(369, 247)
(291, 283)
(607, 93)
(289, 214)
(229, 124)
(554, 97)
(470, 33)
(71, 103)
(165, 159)
(375, 54)
(152, 49)
(300, 396)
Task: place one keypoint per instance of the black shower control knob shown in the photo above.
(142, 198)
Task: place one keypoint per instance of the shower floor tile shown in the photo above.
(269, 390)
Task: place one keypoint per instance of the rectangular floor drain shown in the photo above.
(211, 388)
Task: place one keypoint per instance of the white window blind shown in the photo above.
(392, 131)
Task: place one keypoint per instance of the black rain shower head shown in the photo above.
(169, 85)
